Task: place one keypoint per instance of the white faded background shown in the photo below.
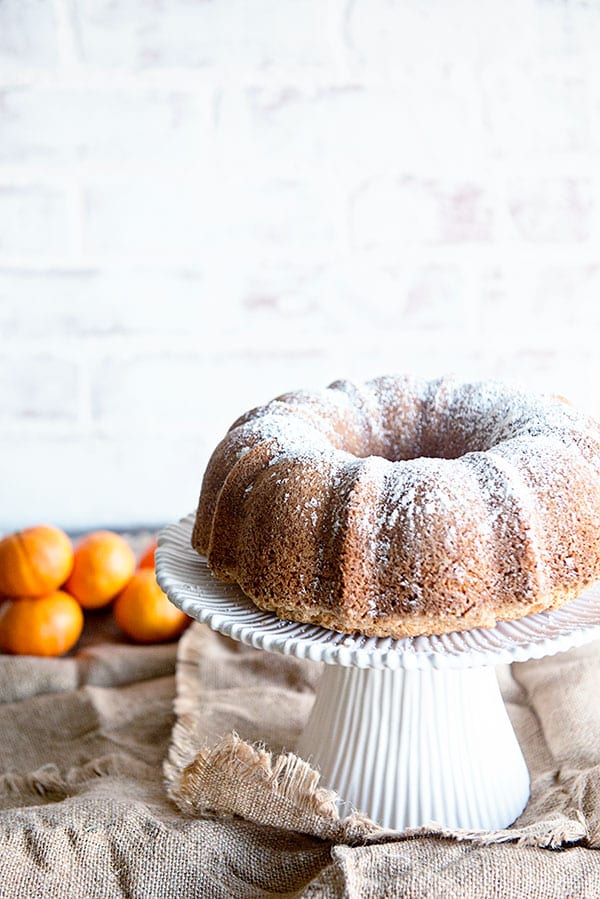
(204, 203)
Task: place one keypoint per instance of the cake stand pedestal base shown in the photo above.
(408, 748)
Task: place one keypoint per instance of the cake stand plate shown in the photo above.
(412, 731)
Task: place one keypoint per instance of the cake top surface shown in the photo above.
(397, 417)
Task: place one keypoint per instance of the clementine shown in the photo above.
(43, 626)
(144, 612)
(104, 563)
(34, 561)
(147, 560)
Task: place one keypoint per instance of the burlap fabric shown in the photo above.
(85, 813)
(232, 699)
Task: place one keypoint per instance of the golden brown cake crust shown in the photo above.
(402, 507)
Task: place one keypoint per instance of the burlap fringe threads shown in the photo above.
(237, 778)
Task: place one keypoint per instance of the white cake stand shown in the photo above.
(410, 732)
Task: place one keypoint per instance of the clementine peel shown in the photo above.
(145, 613)
(34, 561)
(147, 560)
(43, 626)
(104, 563)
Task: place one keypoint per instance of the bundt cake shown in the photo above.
(403, 507)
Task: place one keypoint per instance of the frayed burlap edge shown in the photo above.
(235, 777)
(52, 781)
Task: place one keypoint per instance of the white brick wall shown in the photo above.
(205, 204)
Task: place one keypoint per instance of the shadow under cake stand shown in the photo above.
(410, 732)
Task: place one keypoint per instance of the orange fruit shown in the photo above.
(104, 563)
(147, 560)
(144, 612)
(43, 626)
(34, 561)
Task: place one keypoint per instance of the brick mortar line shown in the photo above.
(97, 428)
(80, 79)
(506, 254)
(84, 350)
(57, 175)
(67, 45)
(73, 73)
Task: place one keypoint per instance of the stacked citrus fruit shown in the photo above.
(46, 584)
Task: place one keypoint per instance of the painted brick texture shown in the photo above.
(205, 204)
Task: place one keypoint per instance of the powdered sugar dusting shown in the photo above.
(470, 417)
